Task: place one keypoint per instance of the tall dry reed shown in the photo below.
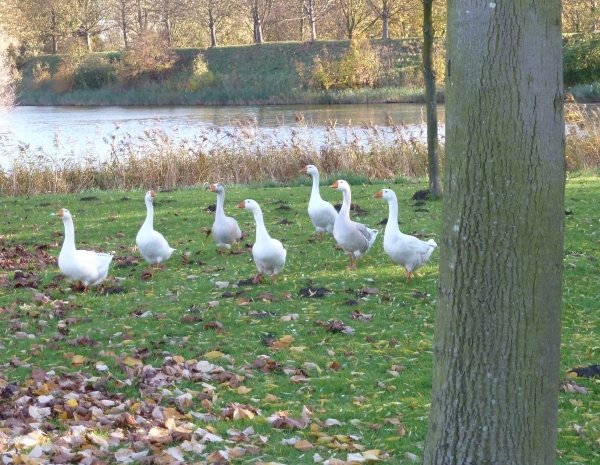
(245, 154)
(242, 155)
(583, 137)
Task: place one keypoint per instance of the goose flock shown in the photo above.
(90, 268)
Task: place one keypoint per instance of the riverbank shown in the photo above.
(272, 73)
(268, 74)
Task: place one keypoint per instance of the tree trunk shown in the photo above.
(313, 29)
(54, 44)
(168, 31)
(124, 27)
(213, 29)
(258, 37)
(384, 32)
(431, 100)
(88, 41)
(497, 327)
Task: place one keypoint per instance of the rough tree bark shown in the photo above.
(497, 329)
(433, 164)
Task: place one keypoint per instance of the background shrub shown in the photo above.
(64, 78)
(581, 60)
(94, 72)
(201, 77)
(149, 59)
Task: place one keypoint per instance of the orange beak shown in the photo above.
(303, 170)
(334, 185)
(152, 194)
(242, 205)
(378, 195)
(60, 213)
(213, 187)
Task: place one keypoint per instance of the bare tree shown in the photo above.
(121, 13)
(212, 14)
(91, 20)
(355, 17)
(315, 10)
(497, 326)
(142, 12)
(46, 21)
(386, 10)
(581, 16)
(169, 11)
(260, 10)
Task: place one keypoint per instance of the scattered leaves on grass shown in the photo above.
(336, 326)
(570, 386)
(586, 372)
(317, 292)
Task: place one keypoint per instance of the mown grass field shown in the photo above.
(169, 364)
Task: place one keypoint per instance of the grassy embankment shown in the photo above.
(137, 342)
(250, 74)
(265, 74)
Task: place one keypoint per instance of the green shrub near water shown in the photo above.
(95, 72)
(581, 60)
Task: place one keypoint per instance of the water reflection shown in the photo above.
(57, 130)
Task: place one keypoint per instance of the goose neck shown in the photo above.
(392, 223)
(149, 223)
(261, 230)
(315, 186)
(346, 199)
(69, 242)
(220, 204)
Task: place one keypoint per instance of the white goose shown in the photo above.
(225, 229)
(88, 267)
(152, 244)
(269, 254)
(406, 250)
(321, 213)
(354, 238)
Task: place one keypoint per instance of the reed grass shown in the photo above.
(247, 155)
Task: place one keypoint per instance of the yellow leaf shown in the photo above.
(78, 360)
(271, 398)
(303, 445)
(243, 390)
(178, 359)
(298, 348)
(72, 403)
(130, 361)
(373, 454)
(135, 407)
(171, 412)
(213, 354)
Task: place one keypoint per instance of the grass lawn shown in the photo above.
(175, 364)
